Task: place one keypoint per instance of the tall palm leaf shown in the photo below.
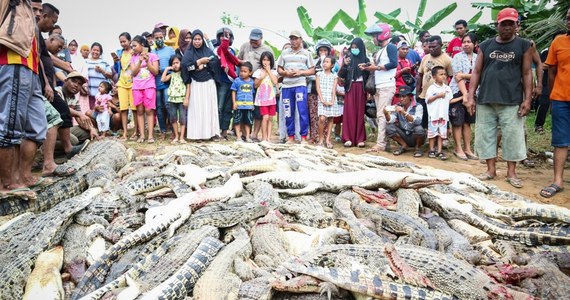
(542, 31)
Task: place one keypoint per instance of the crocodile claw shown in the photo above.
(328, 288)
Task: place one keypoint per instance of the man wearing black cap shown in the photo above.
(251, 51)
(149, 38)
(405, 122)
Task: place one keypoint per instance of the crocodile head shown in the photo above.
(418, 181)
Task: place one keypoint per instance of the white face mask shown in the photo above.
(323, 57)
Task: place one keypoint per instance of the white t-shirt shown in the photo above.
(438, 109)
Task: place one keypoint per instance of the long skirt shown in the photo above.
(314, 119)
(353, 129)
(202, 121)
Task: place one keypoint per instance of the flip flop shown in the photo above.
(150, 141)
(485, 177)
(472, 156)
(462, 157)
(418, 153)
(515, 182)
(24, 193)
(551, 190)
(376, 149)
(329, 145)
(41, 182)
(400, 151)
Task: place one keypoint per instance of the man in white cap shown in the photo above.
(251, 51)
(294, 65)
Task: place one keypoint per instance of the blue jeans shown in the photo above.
(225, 105)
(162, 108)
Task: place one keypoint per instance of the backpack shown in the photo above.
(18, 26)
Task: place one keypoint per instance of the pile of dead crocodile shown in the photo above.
(264, 221)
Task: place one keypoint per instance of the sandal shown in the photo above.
(418, 153)
(376, 149)
(400, 151)
(551, 190)
(329, 145)
(174, 141)
(472, 156)
(485, 176)
(515, 182)
(462, 157)
(348, 144)
(442, 156)
(61, 171)
(432, 154)
(140, 140)
(528, 163)
(41, 182)
(182, 141)
(360, 145)
(150, 141)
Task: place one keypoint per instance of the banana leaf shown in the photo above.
(349, 22)
(335, 37)
(395, 13)
(439, 16)
(306, 21)
(361, 18)
(333, 21)
(475, 18)
(413, 26)
(421, 10)
(276, 51)
(396, 24)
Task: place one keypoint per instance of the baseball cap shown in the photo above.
(256, 34)
(295, 33)
(404, 90)
(508, 14)
(160, 25)
(403, 44)
(75, 74)
(145, 34)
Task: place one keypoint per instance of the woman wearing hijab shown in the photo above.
(353, 130)
(199, 68)
(184, 40)
(173, 34)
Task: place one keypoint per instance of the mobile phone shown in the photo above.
(212, 57)
(114, 55)
(145, 50)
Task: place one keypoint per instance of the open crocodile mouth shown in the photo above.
(417, 183)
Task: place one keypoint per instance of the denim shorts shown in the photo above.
(560, 123)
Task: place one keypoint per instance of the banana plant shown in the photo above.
(356, 26)
(412, 29)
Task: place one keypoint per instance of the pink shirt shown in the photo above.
(144, 79)
(102, 100)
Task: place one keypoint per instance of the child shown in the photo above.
(438, 96)
(144, 66)
(340, 93)
(265, 98)
(102, 112)
(176, 92)
(326, 91)
(242, 97)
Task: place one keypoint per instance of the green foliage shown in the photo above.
(412, 29)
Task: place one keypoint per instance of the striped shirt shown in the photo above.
(9, 57)
(295, 60)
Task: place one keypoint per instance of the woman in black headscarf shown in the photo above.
(199, 67)
(353, 130)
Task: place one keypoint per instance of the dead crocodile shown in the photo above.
(307, 182)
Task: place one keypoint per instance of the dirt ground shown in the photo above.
(534, 179)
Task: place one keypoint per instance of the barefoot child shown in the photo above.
(438, 96)
(176, 92)
(265, 98)
(242, 97)
(326, 92)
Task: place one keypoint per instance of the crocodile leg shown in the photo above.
(403, 270)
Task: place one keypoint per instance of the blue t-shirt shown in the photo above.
(244, 93)
(164, 55)
(413, 57)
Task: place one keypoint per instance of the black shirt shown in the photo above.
(47, 62)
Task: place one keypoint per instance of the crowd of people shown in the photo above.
(197, 89)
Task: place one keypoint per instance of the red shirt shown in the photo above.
(402, 63)
(455, 46)
(9, 57)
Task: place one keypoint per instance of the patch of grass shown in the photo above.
(535, 141)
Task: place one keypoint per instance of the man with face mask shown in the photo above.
(383, 64)
(164, 53)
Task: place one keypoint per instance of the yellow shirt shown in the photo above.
(126, 79)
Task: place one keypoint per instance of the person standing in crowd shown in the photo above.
(384, 65)
(122, 64)
(455, 46)
(144, 68)
(228, 63)
(405, 72)
(266, 84)
(438, 96)
(328, 107)
(462, 65)
(184, 40)
(251, 52)
(164, 53)
(503, 72)
(22, 102)
(242, 98)
(435, 58)
(102, 112)
(405, 123)
(558, 62)
(294, 65)
(323, 48)
(353, 128)
(171, 38)
(543, 105)
(97, 70)
(176, 92)
(423, 38)
(84, 51)
(149, 38)
(199, 66)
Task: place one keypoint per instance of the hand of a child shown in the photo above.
(185, 103)
(234, 106)
(441, 95)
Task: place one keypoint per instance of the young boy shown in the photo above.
(438, 96)
(242, 97)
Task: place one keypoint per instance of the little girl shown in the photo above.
(328, 107)
(102, 113)
(266, 86)
(176, 92)
(144, 66)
